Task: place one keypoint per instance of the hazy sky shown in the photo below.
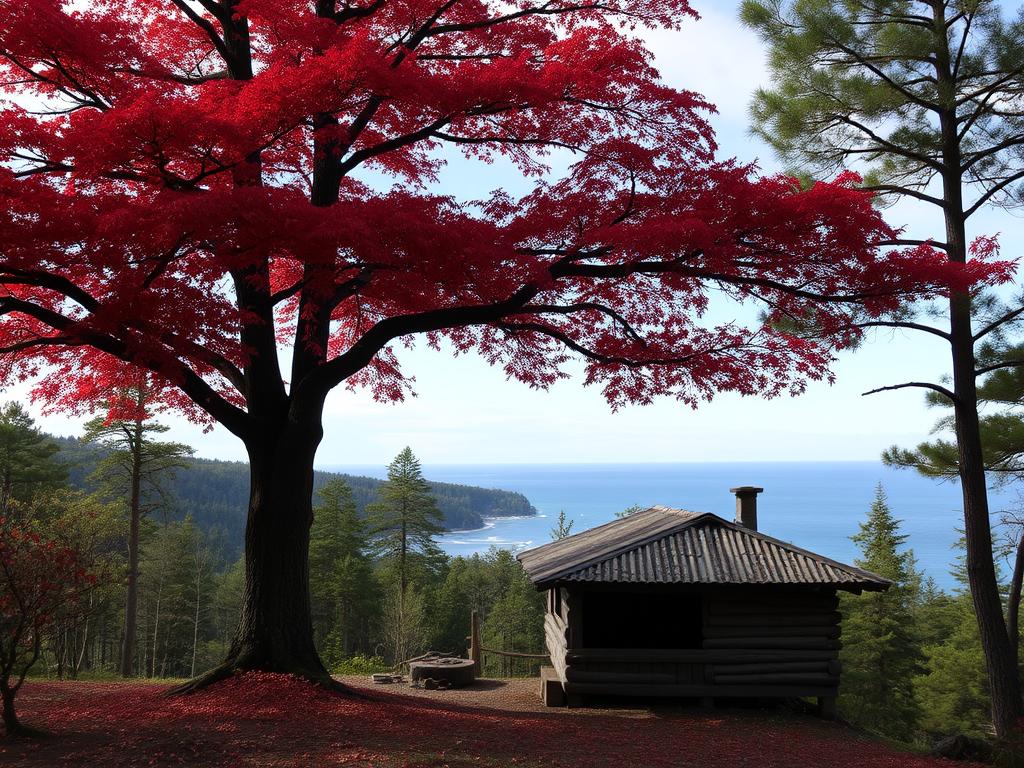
(466, 412)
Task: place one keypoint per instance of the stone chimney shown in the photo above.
(746, 505)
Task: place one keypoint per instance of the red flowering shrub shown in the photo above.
(262, 719)
(38, 578)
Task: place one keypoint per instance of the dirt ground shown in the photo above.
(510, 695)
(264, 720)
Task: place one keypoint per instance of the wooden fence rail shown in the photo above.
(477, 650)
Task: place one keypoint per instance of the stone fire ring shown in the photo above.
(458, 672)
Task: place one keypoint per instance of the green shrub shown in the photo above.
(360, 665)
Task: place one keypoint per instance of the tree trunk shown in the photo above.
(1000, 660)
(131, 600)
(1013, 601)
(11, 724)
(275, 628)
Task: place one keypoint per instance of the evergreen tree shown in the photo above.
(467, 587)
(922, 96)
(880, 654)
(341, 581)
(402, 524)
(178, 588)
(134, 469)
(516, 620)
(1002, 438)
(632, 509)
(26, 458)
(563, 528)
(953, 687)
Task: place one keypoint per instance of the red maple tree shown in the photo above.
(39, 577)
(192, 187)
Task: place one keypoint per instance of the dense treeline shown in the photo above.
(381, 588)
(913, 663)
(215, 493)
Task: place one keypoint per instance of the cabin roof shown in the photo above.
(662, 545)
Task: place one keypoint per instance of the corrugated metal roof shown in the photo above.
(661, 545)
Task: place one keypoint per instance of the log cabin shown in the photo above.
(667, 602)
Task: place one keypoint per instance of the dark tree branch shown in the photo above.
(998, 366)
(904, 324)
(207, 26)
(190, 382)
(558, 309)
(919, 384)
(1003, 319)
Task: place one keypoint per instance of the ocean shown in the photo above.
(816, 505)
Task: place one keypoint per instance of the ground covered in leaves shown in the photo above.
(273, 720)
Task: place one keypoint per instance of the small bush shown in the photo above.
(360, 665)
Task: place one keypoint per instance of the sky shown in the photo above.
(467, 413)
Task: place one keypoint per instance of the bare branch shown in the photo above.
(919, 384)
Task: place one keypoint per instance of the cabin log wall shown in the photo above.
(756, 643)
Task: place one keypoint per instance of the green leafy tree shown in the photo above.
(921, 95)
(341, 580)
(94, 529)
(227, 602)
(402, 525)
(27, 458)
(134, 469)
(880, 654)
(173, 591)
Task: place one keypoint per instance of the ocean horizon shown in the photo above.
(815, 505)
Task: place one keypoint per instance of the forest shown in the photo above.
(215, 493)
(190, 573)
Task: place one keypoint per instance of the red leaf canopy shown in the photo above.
(188, 185)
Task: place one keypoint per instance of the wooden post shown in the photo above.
(827, 707)
(474, 642)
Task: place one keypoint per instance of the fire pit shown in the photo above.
(444, 671)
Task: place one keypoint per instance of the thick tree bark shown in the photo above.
(11, 723)
(275, 628)
(131, 599)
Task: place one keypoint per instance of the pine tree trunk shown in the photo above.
(1000, 660)
(1013, 601)
(131, 600)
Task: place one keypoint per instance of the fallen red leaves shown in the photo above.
(274, 720)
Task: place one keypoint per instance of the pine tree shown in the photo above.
(953, 687)
(133, 469)
(26, 458)
(516, 620)
(563, 528)
(880, 654)
(402, 524)
(917, 94)
(341, 582)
